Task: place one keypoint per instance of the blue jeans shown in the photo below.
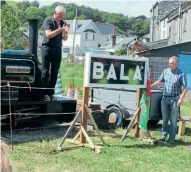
(169, 111)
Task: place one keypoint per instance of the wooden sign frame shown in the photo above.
(131, 61)
(82, 134)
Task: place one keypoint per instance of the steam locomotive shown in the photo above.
(22, 89)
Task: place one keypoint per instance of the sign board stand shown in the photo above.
(135, 122)
(82, 134)
(137, 129)
(107, 72)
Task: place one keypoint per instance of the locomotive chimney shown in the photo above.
(33, 36)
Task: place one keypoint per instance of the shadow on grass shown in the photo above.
(187, 131)
(142, 142)
(143, 145)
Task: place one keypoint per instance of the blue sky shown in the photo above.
(126, 7)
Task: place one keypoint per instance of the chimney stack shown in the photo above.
(113, 37)
(33, 36)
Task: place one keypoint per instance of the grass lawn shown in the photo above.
(71, 73)
(130, 155)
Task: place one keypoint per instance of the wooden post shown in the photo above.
(131, 124)
(182, 126)
(84, 113)
(137, 129)
(69, 129)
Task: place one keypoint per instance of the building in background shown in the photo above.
(89, 35)
(170, 21)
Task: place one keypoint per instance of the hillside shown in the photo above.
(27, 9)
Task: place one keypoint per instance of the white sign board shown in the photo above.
(120, 72)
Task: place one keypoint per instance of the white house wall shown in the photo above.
(102, 39)
(186, 33)
(85, 40)
(69, 43)
(89, 43)
(173, 33)
(163, 28)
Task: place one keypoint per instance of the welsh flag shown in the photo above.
(145, 105)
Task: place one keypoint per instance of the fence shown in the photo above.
(157, 65)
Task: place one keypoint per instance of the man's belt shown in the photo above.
(50, 46)
(171, 96)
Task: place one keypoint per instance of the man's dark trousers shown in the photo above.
(50, 56)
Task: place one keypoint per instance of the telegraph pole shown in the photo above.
(179, 22)
(75, 22)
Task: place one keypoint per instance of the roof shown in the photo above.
(157, 44)
(81, 25)
(126, 41)
(108, 44)
(119, 42)
(168, 51)
(184, 5)
(166, 7)
(138, 47)
(167, 46)
(105, 29)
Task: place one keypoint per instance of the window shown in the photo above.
(93, 36)
(169, 32)
(79, 26)
(176, 26)
(184, 26)
(86, 35)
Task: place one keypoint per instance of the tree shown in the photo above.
(35, 3)
(121, 51)
(10, 28)
(47, 10)
(21, 16)
(34, 12)
(82, 17)
(3, 2)
(23, 5)
(70, 15)
(123, 24)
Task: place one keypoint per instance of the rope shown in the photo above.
(115, 102)
(11, 130)
(45, 114)
(29, 86)
(78, 78)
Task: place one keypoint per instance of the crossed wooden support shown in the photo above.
(82, 132)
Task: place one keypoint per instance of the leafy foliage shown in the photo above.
(10, 28)
(121, 51)
(22, 10)
(136, 25)
(35, 3)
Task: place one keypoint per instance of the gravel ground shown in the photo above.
(49, 130)
(28, 135)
